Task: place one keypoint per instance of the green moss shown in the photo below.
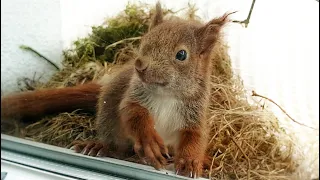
(132, 22)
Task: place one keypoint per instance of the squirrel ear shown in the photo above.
(208, 34)
(157, 17)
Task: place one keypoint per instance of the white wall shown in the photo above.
(36, 23)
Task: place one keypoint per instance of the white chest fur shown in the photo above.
(168, 120)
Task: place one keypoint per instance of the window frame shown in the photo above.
(65, 157)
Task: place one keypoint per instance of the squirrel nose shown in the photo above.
(140, 65)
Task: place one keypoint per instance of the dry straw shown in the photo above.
(245, 140)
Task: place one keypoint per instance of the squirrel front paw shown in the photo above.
(188, 166)
(150, 148)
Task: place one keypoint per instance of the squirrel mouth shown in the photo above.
(160, 84)
(151, 82)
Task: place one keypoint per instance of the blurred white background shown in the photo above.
(277, 55)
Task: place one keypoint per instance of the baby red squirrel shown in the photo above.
(158, 102)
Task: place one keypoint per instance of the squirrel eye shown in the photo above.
(181, 55)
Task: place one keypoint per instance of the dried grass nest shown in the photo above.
(246, 141)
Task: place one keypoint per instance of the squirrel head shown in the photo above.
(175, 54)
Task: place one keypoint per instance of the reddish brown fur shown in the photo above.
(28, 105)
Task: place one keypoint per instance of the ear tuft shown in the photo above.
(158, 16)
(208, 34)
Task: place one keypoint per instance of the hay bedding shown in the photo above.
(245, 142)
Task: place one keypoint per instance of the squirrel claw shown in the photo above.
(90, 148)
(188, 167)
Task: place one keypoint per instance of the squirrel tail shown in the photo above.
(28, 105)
